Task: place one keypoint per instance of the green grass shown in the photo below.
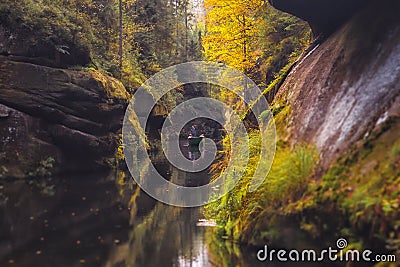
(286, 182)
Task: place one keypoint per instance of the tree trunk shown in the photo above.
(120, 37)
(187, 31)
(245, 57)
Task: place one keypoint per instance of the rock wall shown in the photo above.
(71, 116)
(323, 16)
(347, 87)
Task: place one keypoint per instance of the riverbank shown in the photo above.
(336, 171)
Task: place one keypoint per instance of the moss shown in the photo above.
(271, 90)
(360, 191)
(280, 77)
(281, 122)
(277, 109)
(114, 88)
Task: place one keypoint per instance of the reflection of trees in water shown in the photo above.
(149, 242)
(223, 252)
(163, 237)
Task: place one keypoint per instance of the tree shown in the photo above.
(232, 36)
(121, 37)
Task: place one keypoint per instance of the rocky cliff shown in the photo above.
(323, 16)
(343, 97)
(345, 88)
(70, 116)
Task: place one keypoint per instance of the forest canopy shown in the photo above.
(127, 39)
(153, 34)
(253, 37)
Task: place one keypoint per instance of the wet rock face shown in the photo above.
(348, 86)
(324, 16)
(71, 116)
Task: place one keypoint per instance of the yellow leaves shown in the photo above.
(231, 32)
(389, 206)
(129, 3)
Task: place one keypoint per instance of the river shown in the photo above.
(106, 220)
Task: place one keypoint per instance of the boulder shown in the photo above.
(71, 116)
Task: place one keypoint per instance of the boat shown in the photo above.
(194, 141)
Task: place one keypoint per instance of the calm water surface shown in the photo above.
(105, 220)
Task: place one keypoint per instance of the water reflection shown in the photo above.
(167, 236)
(171, 236)
(106, 220)
(80, 224)
(194, 152)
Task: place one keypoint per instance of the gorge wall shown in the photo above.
(323, 16)
(346, 88)
(342, 99)
(70, 116)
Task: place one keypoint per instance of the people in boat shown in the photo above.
(193, 131)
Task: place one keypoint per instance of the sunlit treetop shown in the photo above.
(231, 33)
